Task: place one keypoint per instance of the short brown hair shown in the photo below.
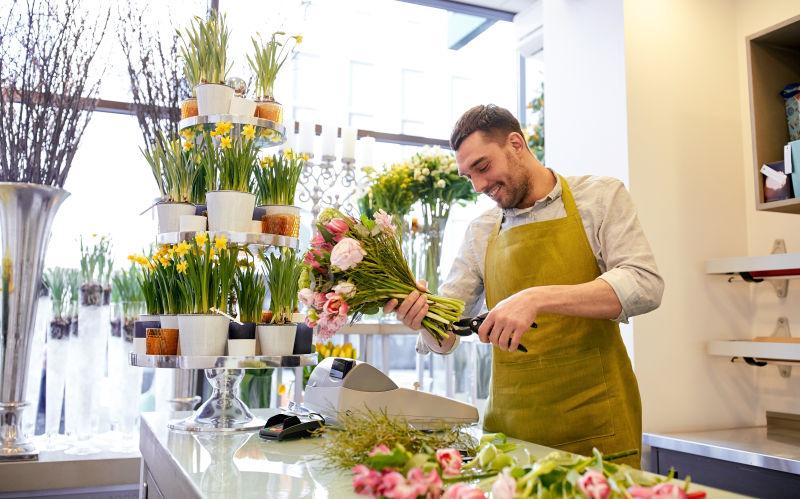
(492, 120)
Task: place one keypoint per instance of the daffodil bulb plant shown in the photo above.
(228, 161)
(174, 171)
(129, 296)
(275, 185)
(206, 273)
(283, 268)
(266, 61)
(95, 267)
(204, 50)
(57, 281)
(148, 283)
(251, 289)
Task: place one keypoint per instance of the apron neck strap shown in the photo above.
(566, 196)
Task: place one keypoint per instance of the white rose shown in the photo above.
(441, 184)
(426, 172)
(345, 289)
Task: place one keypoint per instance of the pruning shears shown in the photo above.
(470, 325)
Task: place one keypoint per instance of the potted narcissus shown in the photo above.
(151, 319)
(266, 61)
(228, 161)
(173, 170)
(275, 184)
(205, 51)
(283, 269)
(206, 272)
(250, 288)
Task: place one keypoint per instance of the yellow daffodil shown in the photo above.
(306, 156)
(187, 133)
(220, 242)
(187, 145)
(211, 253)
(223, 127)
(181, 267)
(132, 258)
(288, 153)
(281, 389)
(200, 238)
(298, 39)
(182, 248)
(214, 133)
(171, 253)
(164, 262)
(248, 132)
(225, 142)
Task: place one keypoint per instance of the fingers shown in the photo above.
(486, 328)
(406, 305)
(390, 306)
(422, 285)
(515, 339)
(416, 322)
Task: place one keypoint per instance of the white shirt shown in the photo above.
(619, 245)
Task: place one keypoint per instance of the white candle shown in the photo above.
(329, 140)
(367, 147)
(305, 140)
(349, 142)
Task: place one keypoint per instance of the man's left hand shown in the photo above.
(508, 320)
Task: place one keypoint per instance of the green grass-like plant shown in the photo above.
(275, 179)
(204, 50)
(250, 289)
(283, 268)
(174, 170)
(228, 162)
(96, 262)
(57, 281)
(268, 59)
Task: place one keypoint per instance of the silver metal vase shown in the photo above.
(26, 216)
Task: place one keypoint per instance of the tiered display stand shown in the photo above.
(224, 411)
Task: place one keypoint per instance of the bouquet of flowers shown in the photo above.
(356, 266)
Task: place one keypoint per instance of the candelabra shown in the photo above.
(328, 183)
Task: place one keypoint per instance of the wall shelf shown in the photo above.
(756, 350)
(778, 265)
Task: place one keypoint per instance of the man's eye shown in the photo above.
(483, 168)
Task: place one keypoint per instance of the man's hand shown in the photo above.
(508, 320)
(413, 309)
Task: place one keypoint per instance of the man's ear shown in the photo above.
(517, 141)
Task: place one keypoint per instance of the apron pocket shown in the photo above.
(554, 401)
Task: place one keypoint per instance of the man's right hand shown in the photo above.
(413, 309)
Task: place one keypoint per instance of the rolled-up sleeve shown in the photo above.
(630, 267)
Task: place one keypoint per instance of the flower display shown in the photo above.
(354, 268)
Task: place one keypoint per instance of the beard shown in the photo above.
(518, 185)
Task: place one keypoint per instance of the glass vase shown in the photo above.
(430, 253)
(57, 360)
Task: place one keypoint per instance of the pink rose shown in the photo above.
(463, 491)
(379, 449)
(430, 484)
(347, 253)
(594, 484)
(366, 481)
(337, 227)
(389, 481)
(449, 460)
(319, 300)
(306, 297)
(670, 490)
(505, 487)
(384, 221)
(335, 305)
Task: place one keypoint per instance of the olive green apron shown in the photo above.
(575, 388)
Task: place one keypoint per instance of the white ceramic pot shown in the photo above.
(275, 339)
(230, 210)
(169, 215)
(193, 223)
(255, 226)
(169, 321)
(241, 348)
(213, 98)
(203, 334)
(241, 106)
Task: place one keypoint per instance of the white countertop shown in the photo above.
(245, 466)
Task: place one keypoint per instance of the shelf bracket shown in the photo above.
(781, 285)
(782, 331)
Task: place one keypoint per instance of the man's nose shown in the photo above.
(478, 183)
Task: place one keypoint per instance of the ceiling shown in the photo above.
(514, 6)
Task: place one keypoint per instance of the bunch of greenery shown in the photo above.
(128, 290)
(167, 279)
(283, 268)
(390, 191)
(205, 273)
(267, 60)
(437, 184)
(250, 289)
(148, 283)
(173, 168)
(275, 180)
(228, 161)
(204, 50)
(57, 281)
(74, 276)
(96, 262)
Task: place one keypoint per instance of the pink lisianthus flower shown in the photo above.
(366, 481)
(338, 228)
(389, 481)
(317, 241)
(309, 259)
(429, 484)
(345, 289)
(319, 300)
(505, 487)
(347, 253)
(662, 490)
(335, 305)
(379, 449)
(384, 221)
(594, 484)
(329, 324)
(306, 297)
(463, 491)
(311, 318)
(450, 461)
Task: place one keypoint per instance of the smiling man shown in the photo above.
(567, 253)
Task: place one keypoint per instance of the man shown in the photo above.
(568, 254)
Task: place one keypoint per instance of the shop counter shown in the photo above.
(243, 465)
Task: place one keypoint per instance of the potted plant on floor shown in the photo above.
(266, 61)
(283, 269)
(228, 162)
(205, 45)
(250, 289)
(174, 171)
(275, 183)
(206, 272)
